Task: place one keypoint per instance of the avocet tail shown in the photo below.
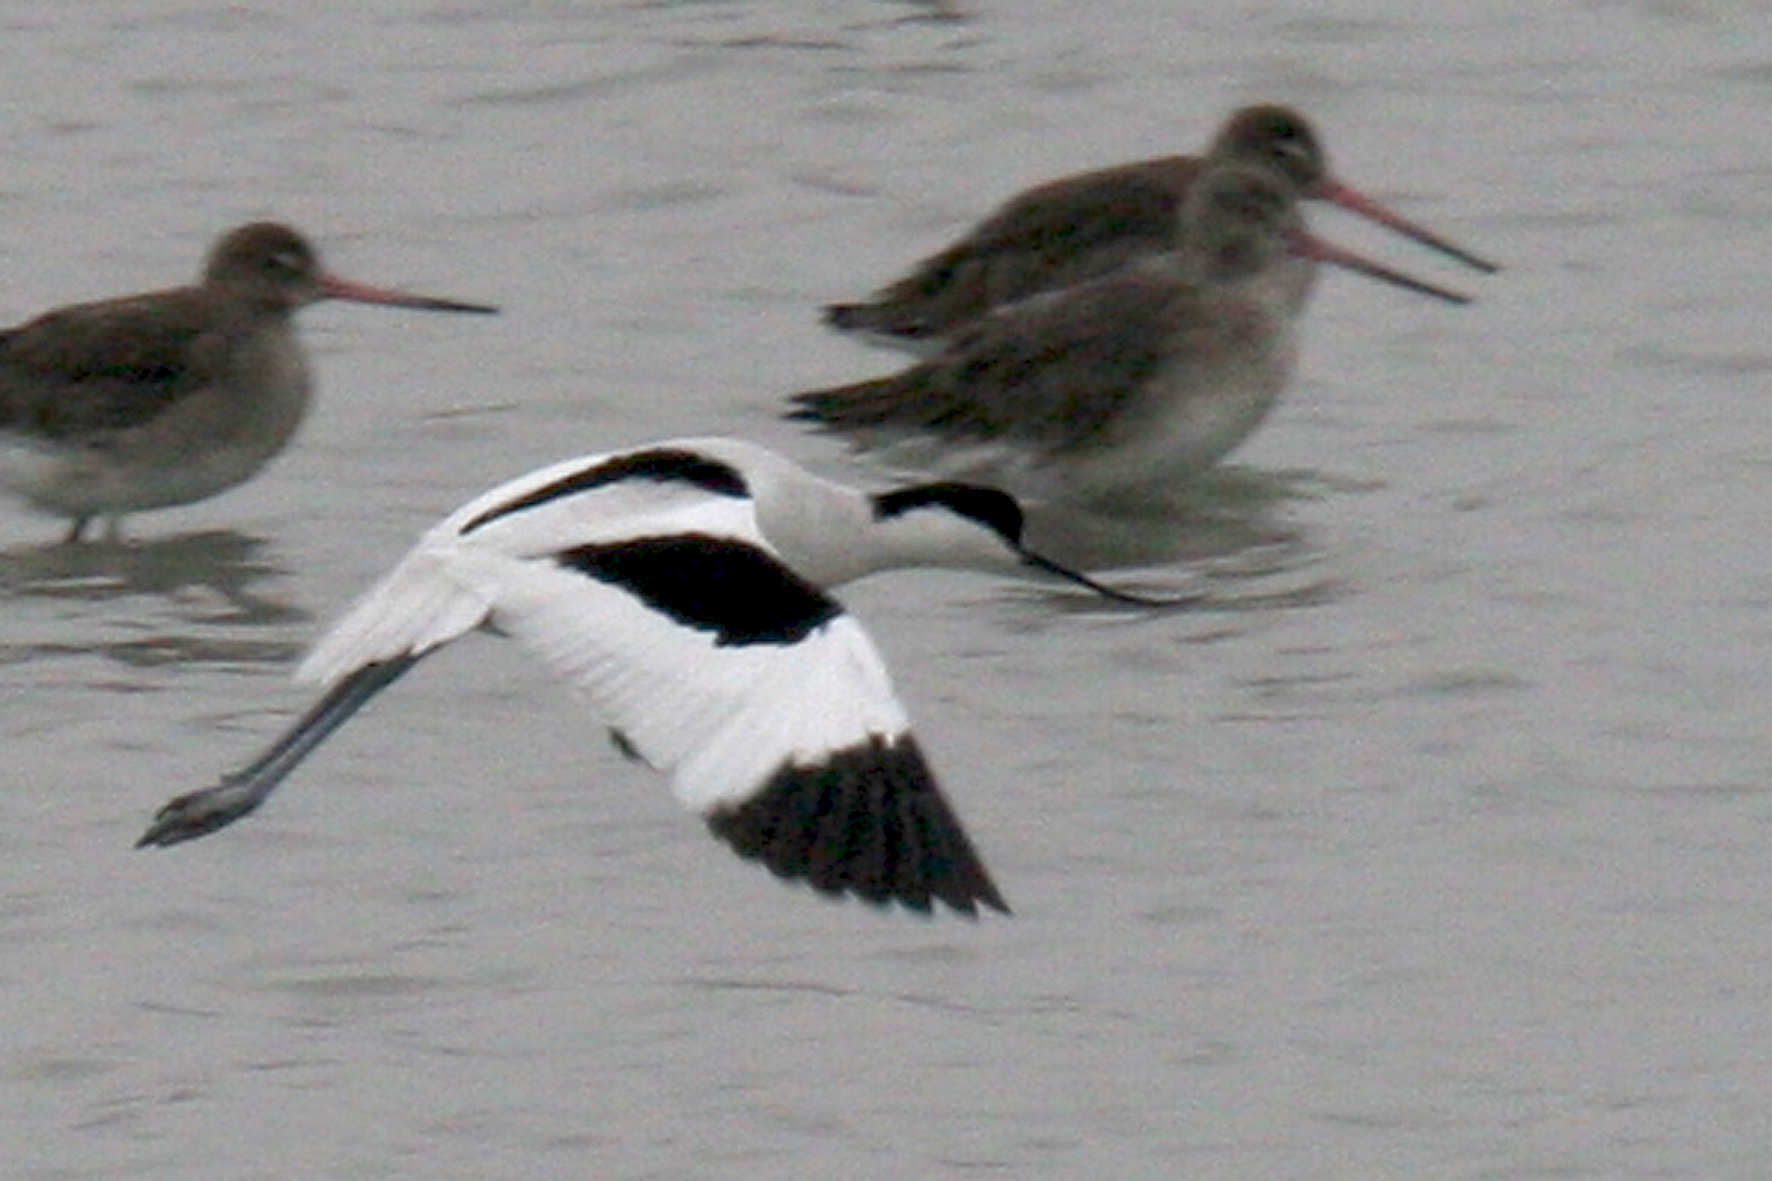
(423, 604)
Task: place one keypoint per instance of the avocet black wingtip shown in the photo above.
(868, 821)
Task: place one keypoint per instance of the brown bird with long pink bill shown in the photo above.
(1110, 391)
(1081, 226)
(161, 399)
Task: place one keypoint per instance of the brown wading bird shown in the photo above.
(149, 401)
(1084, 225)
(1112, 389)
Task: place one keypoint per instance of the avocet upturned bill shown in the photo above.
(680, 587)
(149, 401)
(1084, 225)
(1113, 389)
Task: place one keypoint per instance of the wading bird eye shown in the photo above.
(288, 262)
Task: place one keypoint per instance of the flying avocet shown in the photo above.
(681, 587)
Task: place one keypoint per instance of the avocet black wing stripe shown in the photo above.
(714, 584)
(446, 585)
(659, 465)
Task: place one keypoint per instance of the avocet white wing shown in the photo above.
(434, 594)
(644, 579)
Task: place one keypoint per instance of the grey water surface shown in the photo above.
(1434, 843)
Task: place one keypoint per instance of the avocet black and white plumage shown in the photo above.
(680, 586)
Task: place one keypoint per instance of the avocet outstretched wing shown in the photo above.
(763, 700)
(430, 597)
(644, 579)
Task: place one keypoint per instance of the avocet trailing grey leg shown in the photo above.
(680, 588)
(241, 792)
